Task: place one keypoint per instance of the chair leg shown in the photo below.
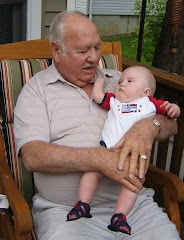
(8, 229)
(8, 232)
(172, 208)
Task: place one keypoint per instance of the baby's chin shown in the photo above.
(121, 97)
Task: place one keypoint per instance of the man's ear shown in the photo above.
(56, 51)
(147, 92)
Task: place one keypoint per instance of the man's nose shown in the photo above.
(93, 56)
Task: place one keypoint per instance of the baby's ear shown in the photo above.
(147, 92)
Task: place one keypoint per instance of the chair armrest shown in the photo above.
(22, 216)
(169, 180)
(172, 189)
(19, 207)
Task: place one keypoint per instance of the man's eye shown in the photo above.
(83, 52)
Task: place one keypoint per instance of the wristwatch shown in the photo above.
(157, 124)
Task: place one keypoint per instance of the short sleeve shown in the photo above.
(30, 115)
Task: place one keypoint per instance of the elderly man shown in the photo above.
(58, 127)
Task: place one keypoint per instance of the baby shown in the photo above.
(131, 101)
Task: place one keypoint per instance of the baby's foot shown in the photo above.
(119, 224)
(80, 209)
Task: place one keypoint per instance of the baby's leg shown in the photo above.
(88, 184)
(125, 203)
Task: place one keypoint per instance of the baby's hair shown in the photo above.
(151, 82)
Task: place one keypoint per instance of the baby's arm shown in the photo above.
(173, 110)
(98, 90)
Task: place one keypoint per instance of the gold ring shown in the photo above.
(144, 157)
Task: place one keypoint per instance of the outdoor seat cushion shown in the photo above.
(13, 75)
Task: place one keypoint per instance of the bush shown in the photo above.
(155, 13)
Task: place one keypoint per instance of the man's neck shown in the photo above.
(88, 89)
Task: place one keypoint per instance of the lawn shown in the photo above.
(129, 47)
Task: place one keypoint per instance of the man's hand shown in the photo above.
(135, 143)
(139, 140)
(108, 165)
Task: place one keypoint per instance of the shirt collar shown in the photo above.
(56, 76)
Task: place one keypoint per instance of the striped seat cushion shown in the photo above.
(13, 75)
(109, 61)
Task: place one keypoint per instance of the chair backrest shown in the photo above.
(40, 49)
(18, 63)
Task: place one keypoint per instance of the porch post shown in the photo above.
(141, 30)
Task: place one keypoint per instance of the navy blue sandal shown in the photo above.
(118, 223)
(79, 211)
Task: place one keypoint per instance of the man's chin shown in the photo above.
(83, 83)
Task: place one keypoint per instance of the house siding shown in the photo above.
(111, 17)
(82, 6)
(116, 7)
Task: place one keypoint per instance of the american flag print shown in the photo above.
(129, 108)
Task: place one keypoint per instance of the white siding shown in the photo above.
(106, 7)
(82, 6)
(116, 7)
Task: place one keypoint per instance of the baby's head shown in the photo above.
(135, 82)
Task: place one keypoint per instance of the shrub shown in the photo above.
(155, 13)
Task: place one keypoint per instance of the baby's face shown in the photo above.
(132, 85)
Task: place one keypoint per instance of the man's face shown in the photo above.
(79, 63)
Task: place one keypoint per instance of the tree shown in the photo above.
(154, 17)
(163, 58)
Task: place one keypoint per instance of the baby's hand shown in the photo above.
(97, 79)
(92, 80)
(169, 108)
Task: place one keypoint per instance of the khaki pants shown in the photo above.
(147, 220)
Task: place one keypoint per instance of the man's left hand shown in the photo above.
(137, 143)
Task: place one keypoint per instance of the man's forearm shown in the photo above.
(49, 158)
(39, 156)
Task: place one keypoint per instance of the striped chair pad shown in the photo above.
(13, 75)
(109, 61)
(23, 178)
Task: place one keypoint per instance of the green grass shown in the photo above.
(128, 46)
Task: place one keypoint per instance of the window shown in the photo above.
(12, 21)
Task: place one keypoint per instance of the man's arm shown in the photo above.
(139, 140)
(39, 156)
